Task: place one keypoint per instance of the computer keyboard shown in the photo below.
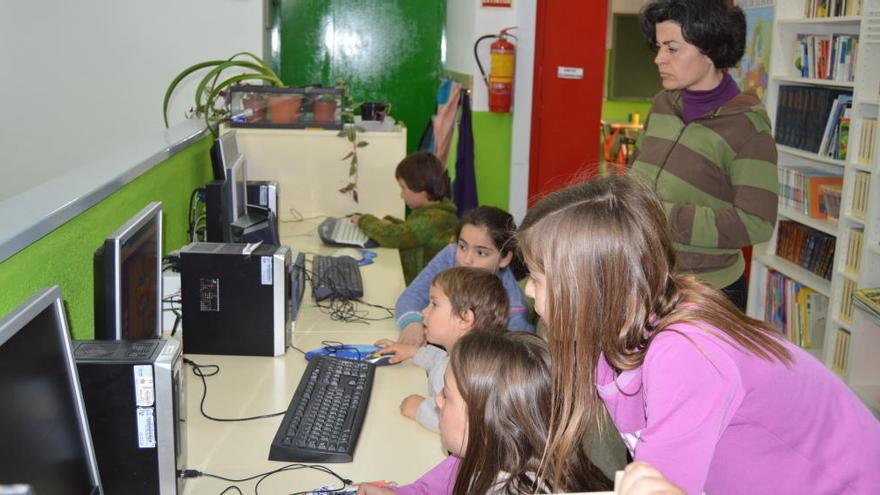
(336, 277)
(341, 232)
(324, 418)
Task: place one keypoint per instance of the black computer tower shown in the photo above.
(134, 399)
(236, 299)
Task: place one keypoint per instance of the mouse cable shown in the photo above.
(232, 487)
(194, 473)
(205, 370)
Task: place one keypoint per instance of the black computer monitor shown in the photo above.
(46, 439)
(128, 279)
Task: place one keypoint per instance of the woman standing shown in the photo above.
(707, 149)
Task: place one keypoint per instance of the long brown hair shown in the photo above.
(609, 262)
(504, 379)
(477, 290)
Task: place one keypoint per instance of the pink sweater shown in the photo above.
(715, 418)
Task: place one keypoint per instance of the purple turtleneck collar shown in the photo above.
(699, 103)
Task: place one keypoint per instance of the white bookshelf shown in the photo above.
(855, 355)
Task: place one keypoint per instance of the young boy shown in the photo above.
(430, 226)
(461, 299)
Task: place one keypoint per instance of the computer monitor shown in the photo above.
(235, 189)
(128, 279)
(224, 151)
(46, 439)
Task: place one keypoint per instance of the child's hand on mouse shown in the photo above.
(402, 352)
(640, 478)
(410, 405)
(368, 489)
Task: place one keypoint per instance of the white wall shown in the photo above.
(466, 21)
(85, 80)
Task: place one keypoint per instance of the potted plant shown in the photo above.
(324, 109)
(285, 108)
(211, 97)
(350, 132)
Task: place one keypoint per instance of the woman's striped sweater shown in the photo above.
(717, 179)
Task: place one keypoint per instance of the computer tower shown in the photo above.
(236, 299)
(134, 398)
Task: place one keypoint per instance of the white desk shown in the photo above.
(390, 447)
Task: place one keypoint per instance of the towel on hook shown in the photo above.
(443, 120)
(464, 189)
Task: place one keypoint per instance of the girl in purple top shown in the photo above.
(494, 412)
(713, 399)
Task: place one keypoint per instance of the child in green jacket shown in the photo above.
(424, 187)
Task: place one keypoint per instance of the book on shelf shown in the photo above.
(832, 8)
(867, 141)
(840, 111)
(808, 118)
(796, 311)
(868, 300)
(831, 57)
(800, 189)
(809, 248)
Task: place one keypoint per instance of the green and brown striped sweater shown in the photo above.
(422, 235)
(717, 179)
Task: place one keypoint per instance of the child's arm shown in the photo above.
(402, 352)
(640, 478)
(425, 412)
(681, 434)
(404, 235)
(439, 480)
(430, 357)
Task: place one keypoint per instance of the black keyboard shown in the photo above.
(324, 418)
(336, 277)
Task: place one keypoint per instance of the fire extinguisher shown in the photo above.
(500, 82)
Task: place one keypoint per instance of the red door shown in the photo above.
(567, 94)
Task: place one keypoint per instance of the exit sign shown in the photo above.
(497, 3)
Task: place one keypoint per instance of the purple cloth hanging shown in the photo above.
(464, 190)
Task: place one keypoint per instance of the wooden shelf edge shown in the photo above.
(795, 272)
(825, 226)
(811, 156)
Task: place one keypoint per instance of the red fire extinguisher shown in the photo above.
(500, 82)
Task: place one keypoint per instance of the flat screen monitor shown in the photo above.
(224, 152)
(235, 189)
(43, 424)
(128, 279)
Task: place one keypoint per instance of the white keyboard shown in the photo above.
(345, 232)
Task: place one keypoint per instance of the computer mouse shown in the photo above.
(380, 359)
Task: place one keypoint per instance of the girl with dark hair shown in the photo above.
(713, 399)
(707, 149)
(424, 187)
(484, 240)
(494, 413)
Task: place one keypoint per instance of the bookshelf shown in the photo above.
(850, 344)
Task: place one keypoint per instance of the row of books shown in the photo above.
(835, 139)
(827, 57)
(868, 300)
(811, 249)
(832, 8)
(800, 189)
(867, 141)
(805, 115)
(795, 310)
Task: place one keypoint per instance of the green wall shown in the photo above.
(64, 256)
(492, 133)
(386, 51)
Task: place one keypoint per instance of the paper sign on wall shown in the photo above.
(497, 3)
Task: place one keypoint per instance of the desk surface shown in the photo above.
(391, 447)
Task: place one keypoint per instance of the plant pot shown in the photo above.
(374, 111)
(257, 107)
(325, 111)
(285, 109)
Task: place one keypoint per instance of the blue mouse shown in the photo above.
(380, 359)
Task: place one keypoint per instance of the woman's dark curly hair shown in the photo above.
(717, 28)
